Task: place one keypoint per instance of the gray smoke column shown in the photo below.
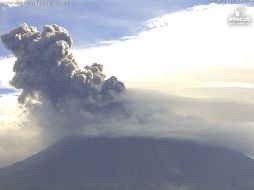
(46, 69)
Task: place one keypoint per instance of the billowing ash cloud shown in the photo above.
(46, 69)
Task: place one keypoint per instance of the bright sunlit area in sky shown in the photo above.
(183, 52)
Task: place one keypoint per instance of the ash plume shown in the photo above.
(45, 69)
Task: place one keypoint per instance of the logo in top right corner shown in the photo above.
(239, 17)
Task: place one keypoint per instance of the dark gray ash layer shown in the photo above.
(45, 68)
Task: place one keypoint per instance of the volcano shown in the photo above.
(105, 163)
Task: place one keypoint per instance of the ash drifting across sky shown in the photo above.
(46, 69)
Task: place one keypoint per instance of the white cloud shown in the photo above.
(6, 71)
(18, 138)
(190, 47)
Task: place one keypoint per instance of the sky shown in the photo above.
(92, 21)
(186, 51)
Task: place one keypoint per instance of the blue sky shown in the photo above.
(6, 90)
(91, 21)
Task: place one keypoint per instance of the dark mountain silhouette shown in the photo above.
(130, 164)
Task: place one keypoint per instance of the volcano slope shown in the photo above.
(104, 163)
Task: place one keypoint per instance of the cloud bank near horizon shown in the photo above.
(142, 114)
